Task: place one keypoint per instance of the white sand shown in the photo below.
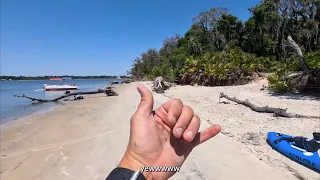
(244, 131)
(86, 139)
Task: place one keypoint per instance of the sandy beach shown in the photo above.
(86, 139)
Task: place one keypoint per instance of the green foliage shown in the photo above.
(313, 59)
(277, 84)
(219, 45)
(165, 70)
(222, 63)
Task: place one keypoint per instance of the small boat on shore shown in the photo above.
(55, 79)
(59, 87)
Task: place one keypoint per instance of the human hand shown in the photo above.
(163, 139)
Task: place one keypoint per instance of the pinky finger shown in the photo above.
(206, 134)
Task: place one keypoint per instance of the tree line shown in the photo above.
(220, 49)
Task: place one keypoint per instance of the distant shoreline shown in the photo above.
(13, 78)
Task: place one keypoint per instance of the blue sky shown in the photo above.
(97, 37)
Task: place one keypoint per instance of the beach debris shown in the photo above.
(278, 112)
(108, 90)
(78, 97)
(263, 88)
(127, 81)
(159, 85)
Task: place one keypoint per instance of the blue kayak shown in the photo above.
(301, 156)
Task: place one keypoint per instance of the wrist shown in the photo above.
(132, 163)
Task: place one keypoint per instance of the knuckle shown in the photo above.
(176, 100)
(189, 109)
(196, 118)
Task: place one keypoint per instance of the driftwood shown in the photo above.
(305, 80)
(159, 85)
(278, 112)
(108, 90)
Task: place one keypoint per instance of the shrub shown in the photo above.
(277, 84)
(165, 70)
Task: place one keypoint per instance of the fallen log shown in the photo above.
(278, 112)
(108, 90)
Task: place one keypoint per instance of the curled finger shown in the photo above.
(192, 129)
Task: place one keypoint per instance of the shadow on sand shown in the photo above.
(315, 96)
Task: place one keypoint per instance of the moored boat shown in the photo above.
(55, 79)
(59, 87)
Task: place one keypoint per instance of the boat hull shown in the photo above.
(59, 89)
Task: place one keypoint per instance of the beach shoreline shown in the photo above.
(86, 139)
(9, 120)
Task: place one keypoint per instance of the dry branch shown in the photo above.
(278, 112)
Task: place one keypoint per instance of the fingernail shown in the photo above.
(179, 130)
(190, 134)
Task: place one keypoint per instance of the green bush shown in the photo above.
(313, 59)
(165, 70)
(277, 84)
(222, 63)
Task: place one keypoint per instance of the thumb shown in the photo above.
(146, 104)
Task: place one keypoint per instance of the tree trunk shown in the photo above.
(298, 51)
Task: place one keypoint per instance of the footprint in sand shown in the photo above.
(64, 171)
(48, 157)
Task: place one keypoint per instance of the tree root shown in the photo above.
(278, 112)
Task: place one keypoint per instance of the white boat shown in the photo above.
(59, 87)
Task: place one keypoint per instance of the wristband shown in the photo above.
(125, 174)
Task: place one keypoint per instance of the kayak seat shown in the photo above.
(316, 136)
(308, 145)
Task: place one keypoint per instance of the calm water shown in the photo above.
(13, 108)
